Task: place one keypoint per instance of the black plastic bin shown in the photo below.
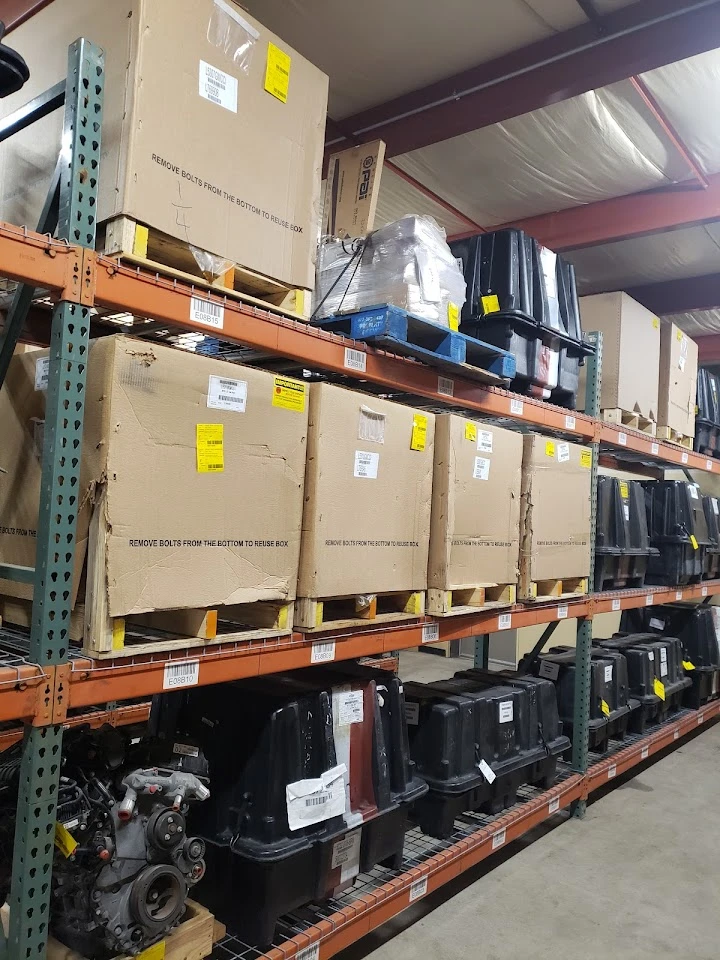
(622, 546)
(476, 740)
(642, 670)
(677, 529)
(523, 299)
(707, 414)
(274, 840)
(711, 568)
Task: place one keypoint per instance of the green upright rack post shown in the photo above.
(581, 710)
(40, 769)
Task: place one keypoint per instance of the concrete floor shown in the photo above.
(638, 878)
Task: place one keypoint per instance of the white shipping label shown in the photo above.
(608, 674)
(549, 670)
(692, 487)
(663, 654)
(504, 621)
(622, 439)
(554, 805)
(663, 669)
(499, 838)
(616, 604)
(626, 510)
(430, 632)
(516, 407)
(346, 855)
(681, 364)
(446, 387)
(42, 370)
(654, 449)
(481, 469)
(218, 87)
(656, 624)
(562, 612)
(569, 423)
(506, 711)
(355, 360)
(323, 652)
(418, 889)
(366, 464)
(227, 394)
(485, 441)
(316, 800)
(186, 673)
(684, 458)
(487, 771)
(207, 312)
(412, 714)
(185, 750)
(651, 656)
(563, 452)
(350, 707)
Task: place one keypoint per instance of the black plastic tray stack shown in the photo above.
(477, 738)
(511, 304)
(263, 741)
(711, 568)
(707, 414)
(622, 546)
(678, 530)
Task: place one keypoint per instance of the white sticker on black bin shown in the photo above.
(346, 855)
(315, 800)
(506, 711)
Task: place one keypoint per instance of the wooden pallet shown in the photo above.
(459, 600)
(192, 939)
(128, 241)
(548, 590)
(633, 421)
(672, 436)
(313, 614)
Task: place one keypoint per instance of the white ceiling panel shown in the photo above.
(398, 198)
(699, 324)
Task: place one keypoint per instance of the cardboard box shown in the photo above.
(631, 352)
(368, 487)
(555, 511)
(352, 189)
(678, 380)
(475, 530)
(180, 532)
(193, 144)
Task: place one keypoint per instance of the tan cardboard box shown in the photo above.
(678, 380)
(188, 523)
(475, 531)
(631, 352)
(193, 144)
(555, 512)
(368, 487)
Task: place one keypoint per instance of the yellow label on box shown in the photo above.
(419, 432)
(289, 394)
(277, 72)
(155, 952)
(693, 541)
(605, 708)
(659, 688)
(209, 446)
(624, 492)
(64, 840)
(453, 316)
(491, 304)
(679, 334)
(549, 448)
(586, 458)
(688, 665)
(656, 323)
(471, 431)
(118, 633)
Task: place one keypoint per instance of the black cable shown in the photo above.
(359, 250)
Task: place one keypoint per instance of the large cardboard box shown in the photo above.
(193, 144)
(475, 531)
(194, 468)
(678, 380)
(555, 512)
(631, 352)
(368, 487)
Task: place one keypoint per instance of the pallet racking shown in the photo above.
(40, 688)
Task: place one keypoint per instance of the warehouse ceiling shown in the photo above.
(591, 123)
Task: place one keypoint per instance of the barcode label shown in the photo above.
(207, 312)
(418, 889)
(446, 387)
(309, 953)
(430, 632)
(227, 394)
(504, 621)
(516, 407)
(645, 753)
(569, 423)
(317, 801)
(678, 594)
(322, 652)
(684, 458)
(622, 439)
(701, 718)
(499, 838)
(554, 805)
(218, 87)
(708, 464)
(655, 449)
(676, 734)
(612, 772)
(616, 604)
(649, 600)
(562, 612)
(183, 674)
(42, 373)
(355, 360)
(703, 591)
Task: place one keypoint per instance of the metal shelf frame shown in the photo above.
(41, 688)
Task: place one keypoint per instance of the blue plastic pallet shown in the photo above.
(406, 334)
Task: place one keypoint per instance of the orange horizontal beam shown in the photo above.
(118, 717)
(36, 259)
(19, 691)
